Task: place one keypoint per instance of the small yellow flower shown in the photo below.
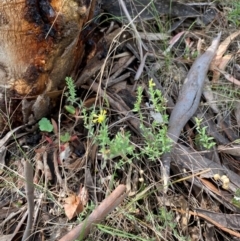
(100, 118)
(150, 83)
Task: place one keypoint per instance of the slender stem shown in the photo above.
(28, 172)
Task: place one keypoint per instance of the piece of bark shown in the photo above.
(188, 101)
(191, 92)
(28, 173)
(38, 40)
(188, 159)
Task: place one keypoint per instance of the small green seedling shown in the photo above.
(65, 138)
(70, 109)
(71, 91)
(236, 199)
(45, 125)
(202, 138)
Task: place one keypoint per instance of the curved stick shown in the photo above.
(188, 101)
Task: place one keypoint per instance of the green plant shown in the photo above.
(71, 91)
(111, 147)
(86, 212)
(118, 146)
(233, 15)
(65, 137)
(165, 220)
(156, 141)
(83, 216)
(70, 109)
(121, 234)
(155, 137)
(71, 95)
(45, 125)
(236, 199)
(202, 138)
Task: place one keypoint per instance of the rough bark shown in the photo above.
(38, 40)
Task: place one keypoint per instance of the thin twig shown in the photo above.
(119, 79)
(37, 207)
(56, 169)
(28, 172)
(120, 70)
(141, 67)
(138, 38)
(16, 231)
(210, 220)
(12, 215)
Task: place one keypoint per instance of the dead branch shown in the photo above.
(188, 101)
(28, 172)
(225, 229)
(107, 205)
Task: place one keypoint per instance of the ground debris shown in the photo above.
(110, 129)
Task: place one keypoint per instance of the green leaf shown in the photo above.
(70, 109)
(65, 138)
(45, 125)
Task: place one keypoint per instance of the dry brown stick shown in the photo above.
(107, 205)
(120, 70)
(92, 10)
(119, 79)
(37, 208)
(227, 230)
(9, 135)
(28, 172)
(10, 215)
(16, 231)
(140, 68)
(56, 169)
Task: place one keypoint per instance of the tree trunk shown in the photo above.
(38, 41)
